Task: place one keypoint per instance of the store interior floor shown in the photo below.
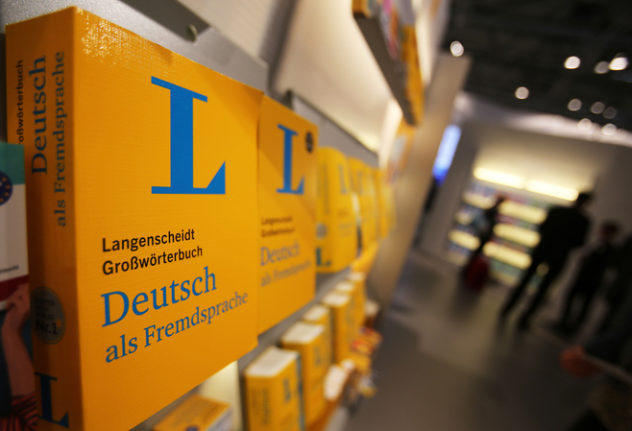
(447, 365)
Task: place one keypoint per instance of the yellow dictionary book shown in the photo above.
(364, 187)
(320, 315)
(309, 340)
(356, 291)
(342, 316)
(336, 231)
(199, 414)
(287, 210)
(273, 394)
(142, 217)
(364, 263)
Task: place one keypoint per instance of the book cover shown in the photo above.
(336, 229)
(197, 413)
(16, 370)
(342, 316)
(13, 256)
(273, 392)
(287, 210)
(142, 217)
(320, 315)
(309, 341)
(364, 187)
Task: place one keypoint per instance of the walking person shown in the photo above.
(484, 225)
(588, 279)
(621, 282)
(610, 404)
(564, 229)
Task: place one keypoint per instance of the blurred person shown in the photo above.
(622, 281)
(588, 279)
(484, 225)
(23, 411)
(610, 404)
(564, 229)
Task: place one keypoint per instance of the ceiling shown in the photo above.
(515, 43)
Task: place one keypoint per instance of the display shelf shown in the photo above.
(528, 213)
(499, 252)
(507, 255)
(518, 235)
(392, 69)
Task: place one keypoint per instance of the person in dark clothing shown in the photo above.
(610, 405)
(484, 224)
(618, 289)
(588, 279)
(564, 229)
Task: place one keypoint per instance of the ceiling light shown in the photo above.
(609, 129)
(610, 112)
(619, 62)
(456, 48)
(521, 93)
(574, 105)
(597, 107)
(552, 190)
(601, 67)
(584, 124)
(499, 178)
(572, 62)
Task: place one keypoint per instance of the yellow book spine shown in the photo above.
(341, 333)
(274, 403)
(40, 112)
(326, 346)
(260, 396)
(313, 369)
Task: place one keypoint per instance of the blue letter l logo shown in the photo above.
(182, 146)
(288, 135)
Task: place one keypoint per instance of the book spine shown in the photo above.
(260, 400)
(40, 117)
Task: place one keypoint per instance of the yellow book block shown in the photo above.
(320, 315)
(273, 396)
(355, 312)
(287, 210)
(336, 229)
(355, 286)
(363, 186)
(309, 341)
(197, 413)
(142, 217)
(342, 317)
(364, 263)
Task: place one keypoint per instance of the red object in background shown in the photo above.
(476, 274)
(575, 362)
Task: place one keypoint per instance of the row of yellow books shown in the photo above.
(285, 387)
(173, 214)
(355, 209)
